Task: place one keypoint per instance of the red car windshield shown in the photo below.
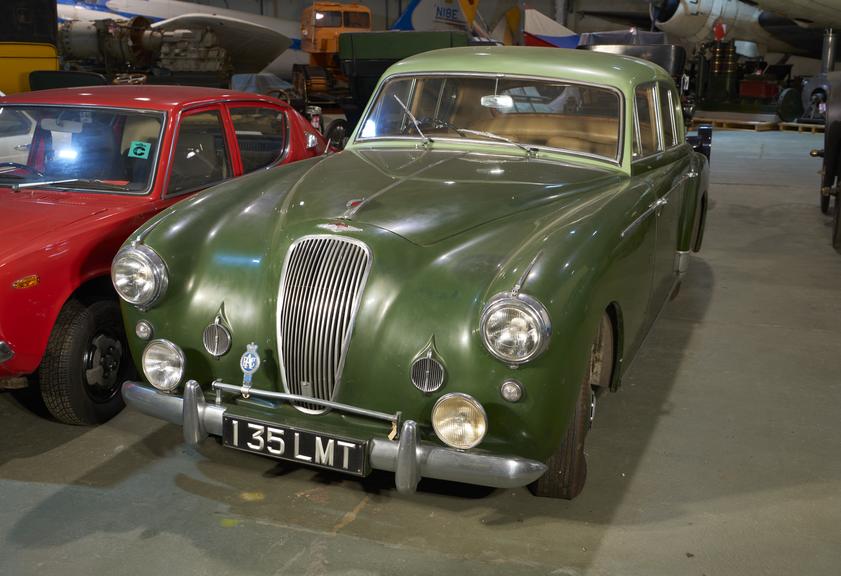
(74, 148)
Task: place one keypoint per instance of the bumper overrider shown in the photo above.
(407, 457)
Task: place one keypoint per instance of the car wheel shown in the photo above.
(86, 362)
(836, 224)
(567, 468)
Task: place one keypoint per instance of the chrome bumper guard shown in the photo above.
(6, 352)
(408, 458)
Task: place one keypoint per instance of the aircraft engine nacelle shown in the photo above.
(693, 22)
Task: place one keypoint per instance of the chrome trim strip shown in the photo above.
(233, 388)
(6, 352)
(314, 337)
(682, 262)
(525, 275)
(408, 458)
(617, 159)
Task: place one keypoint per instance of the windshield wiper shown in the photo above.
(530, 151)
(426, 139)
(16, 187)
(53, 183)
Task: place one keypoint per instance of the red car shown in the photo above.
(82, 168)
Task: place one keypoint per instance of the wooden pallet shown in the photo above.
(736, 124)
(796, 127)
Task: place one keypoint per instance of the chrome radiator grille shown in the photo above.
(320, 290)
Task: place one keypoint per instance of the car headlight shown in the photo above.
(163, 364)
(515, 328)
(459, 420)
(139, 275)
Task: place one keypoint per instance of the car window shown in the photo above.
(667, 116)
(13, 123)
(537, 112)
(357, 20)
(645, 137)
(200, 157)
(328, 19)
(261, 135)
(100, 149)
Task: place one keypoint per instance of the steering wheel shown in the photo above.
(280, 94)
(438, 123)
(26, 167)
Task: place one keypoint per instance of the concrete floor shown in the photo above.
(721, 454)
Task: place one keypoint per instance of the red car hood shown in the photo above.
(32, 217)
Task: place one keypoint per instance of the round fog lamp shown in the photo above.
(163, 365)
(511, 390)
(143, 330)
(459, 421)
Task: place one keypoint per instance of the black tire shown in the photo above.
(337, 133)
(824, 204)
(836, 225)
(86, 361)
(567, 468)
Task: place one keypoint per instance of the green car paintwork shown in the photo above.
(449, 225)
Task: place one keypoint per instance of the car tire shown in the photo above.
(567, 467)
(85, 364)
(836, 225)
(825, 204)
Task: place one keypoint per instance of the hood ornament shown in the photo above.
(339, 226)
(249, 362)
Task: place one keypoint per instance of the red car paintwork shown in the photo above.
(68, 239)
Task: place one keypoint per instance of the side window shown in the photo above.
(667, 116)
(645, 133)
(14, 123)
(200, 158)
(261, 135)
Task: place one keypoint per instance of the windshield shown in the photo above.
(541, 113)
(79, 148)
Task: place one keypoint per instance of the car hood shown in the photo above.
(426, 196)
(31, 216)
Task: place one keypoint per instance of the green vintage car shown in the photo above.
(444, 298)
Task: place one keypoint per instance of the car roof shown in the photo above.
(623, 72)
(147, 97)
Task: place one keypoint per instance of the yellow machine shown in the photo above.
(28, 31)
(321, 25)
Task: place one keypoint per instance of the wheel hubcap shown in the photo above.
(102, 367)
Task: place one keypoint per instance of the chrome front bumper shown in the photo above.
(408, 458)
(6, 352)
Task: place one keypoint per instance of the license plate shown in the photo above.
(287, 443)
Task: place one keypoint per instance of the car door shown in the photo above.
(664, 164)
(261, 134)
(202, 154)
(657, 162)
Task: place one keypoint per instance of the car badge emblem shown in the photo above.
(249, 362)
(339, 227)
